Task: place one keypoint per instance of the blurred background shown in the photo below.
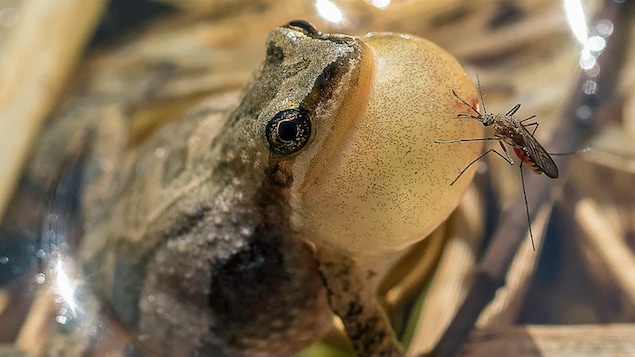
(580, 280)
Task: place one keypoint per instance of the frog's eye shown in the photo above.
(288, 131)
(304, 26)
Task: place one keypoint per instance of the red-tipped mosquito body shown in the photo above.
(514, 133)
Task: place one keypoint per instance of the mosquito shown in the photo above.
(515, 133)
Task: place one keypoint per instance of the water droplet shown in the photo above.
(584, 113)
(587, 60)
(604, 27)
(4, 259)
(596, 43)
(40, 278)
(593, 71)
(40, 254)
(590, 87)
(61, 319)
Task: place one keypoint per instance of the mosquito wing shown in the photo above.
(538, 154)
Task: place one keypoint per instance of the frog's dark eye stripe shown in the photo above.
(305, 27)
(288, 131)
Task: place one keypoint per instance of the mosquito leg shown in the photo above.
(513, 110)
(579, 151)
(507, 157)
(535, 125)
(463, 140)
(470, 164)
(522, 180)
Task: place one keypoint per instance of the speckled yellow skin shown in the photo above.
(387, 185)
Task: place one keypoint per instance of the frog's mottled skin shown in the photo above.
(226, 233)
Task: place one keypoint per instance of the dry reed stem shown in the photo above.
(607, 245)
(613, 340)
(453, 274)
(504, 309)
(36, 328)
(36, 62)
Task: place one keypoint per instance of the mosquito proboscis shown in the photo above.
(508, 130)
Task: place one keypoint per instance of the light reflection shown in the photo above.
(292, 36)
(576, 19)
(40, 278)
(592, 46)
(587, 59)
(604, 27)
(593, 71)
(596, 43)
(329, 11)
(590, 87)
(64, 286)
(584, 112)
(380, 4)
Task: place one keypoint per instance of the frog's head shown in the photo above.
(298, 90)
(347, 128)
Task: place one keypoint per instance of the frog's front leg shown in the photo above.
(356, 304)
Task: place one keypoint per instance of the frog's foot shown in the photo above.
(355, 303)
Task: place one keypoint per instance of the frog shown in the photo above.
(246, 226)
